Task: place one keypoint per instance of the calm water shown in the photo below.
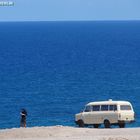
(54, 68)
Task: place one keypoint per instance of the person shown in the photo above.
(23, 114)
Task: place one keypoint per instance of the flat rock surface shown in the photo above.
(69, 133)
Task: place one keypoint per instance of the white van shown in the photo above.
(107, 113)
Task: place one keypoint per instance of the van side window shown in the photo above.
(104, 107)
(96, 108)
(113, 107)
(125, 107)
(87, 109)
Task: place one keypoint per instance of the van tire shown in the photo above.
(80, 123)
(96, 125)
(121, 124)
(107, 123)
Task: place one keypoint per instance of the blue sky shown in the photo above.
(53, 10)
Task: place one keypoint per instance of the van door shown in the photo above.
(95, 115)
(86, 115)
(126, 113)
(113, 114)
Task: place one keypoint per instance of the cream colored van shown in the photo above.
(107, 113)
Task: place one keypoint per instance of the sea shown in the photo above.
(53, 69)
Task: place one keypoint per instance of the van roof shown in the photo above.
(109, 102)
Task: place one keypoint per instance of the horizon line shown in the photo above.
(68, 20)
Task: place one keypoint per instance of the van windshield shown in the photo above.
(125, 107)
(87, 109)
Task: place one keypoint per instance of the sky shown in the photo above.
(65, 10)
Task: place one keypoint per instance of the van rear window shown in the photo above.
(125, 107)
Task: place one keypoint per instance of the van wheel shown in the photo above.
(107, 124)
(96, 125)
(81, 123)
(121, 124)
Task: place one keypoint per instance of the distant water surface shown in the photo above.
(54, 68)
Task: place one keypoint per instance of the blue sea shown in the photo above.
(54, 68)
